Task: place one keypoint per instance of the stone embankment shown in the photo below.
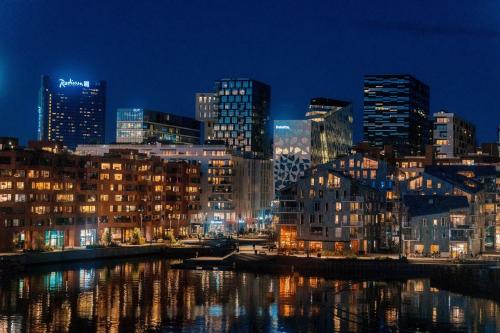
(481, 277)
(22, 261)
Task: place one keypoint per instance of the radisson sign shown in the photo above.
(71, 83)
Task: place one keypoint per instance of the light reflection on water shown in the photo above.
(149, 296)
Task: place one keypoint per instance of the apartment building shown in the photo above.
(337, 213)
(236, 191)
(51, 197)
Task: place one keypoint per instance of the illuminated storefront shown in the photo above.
(288, 237)
(54, 239)
(87, 237)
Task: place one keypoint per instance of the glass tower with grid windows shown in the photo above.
(396, 113)
(243, 116)
(136, 125)
(72, 112)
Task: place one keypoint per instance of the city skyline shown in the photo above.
(461, 75)
(264, 166)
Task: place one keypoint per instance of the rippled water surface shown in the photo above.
(139, 296)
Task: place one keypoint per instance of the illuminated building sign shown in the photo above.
(282, 127)
(71, 83)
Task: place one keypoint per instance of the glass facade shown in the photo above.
(147, 126)
(243, 116)
(88, 237)
(54, 239)
(396, 110)
(72, 112)
(331, 129)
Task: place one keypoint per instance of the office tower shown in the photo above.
(243, 115)
(291, 151)
(331, 129)
(72, 112)
(148, 126)
(452, 135)
(206, 112)
(396, 110)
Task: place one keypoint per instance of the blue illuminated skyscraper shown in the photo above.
(72, 112)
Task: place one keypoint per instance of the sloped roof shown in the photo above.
(451, 175)
(419, 205)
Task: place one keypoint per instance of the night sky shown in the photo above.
(158, 54)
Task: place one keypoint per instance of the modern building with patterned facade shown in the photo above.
(148, 126)
(331, 129)
(243, 116)
(452, 135)
(49, 197)
(291, 151)
(206, 112)
(72, 112)
(396, 111)
(234, 190)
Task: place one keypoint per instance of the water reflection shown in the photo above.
(149, 296)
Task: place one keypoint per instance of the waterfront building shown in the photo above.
(331, 129)
(396, 110)
(147, 126)
(337, 214)
(51, 198)
(206, 113)
(235, 191)
(438, 225)
(379, 175)
(287, 212)
(243, 109)
(291, 151)
(476, 183)
(366, 182)
(72, 112)
(452, 135)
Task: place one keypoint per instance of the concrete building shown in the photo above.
(477, 184)
(335, 214)
(331, 129)
(206, 113)
(452, 135)
(147, 126)
(438, 225)
(234, 190)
